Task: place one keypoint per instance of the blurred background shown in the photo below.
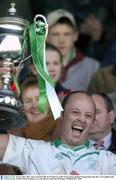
(105, 11)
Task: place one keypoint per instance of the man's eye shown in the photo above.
(56, 34)
(88, 116)
(56, 63)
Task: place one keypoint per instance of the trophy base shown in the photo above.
(11, 115)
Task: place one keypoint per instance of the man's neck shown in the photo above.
(69, 56)
(99, 136)
(106, 139)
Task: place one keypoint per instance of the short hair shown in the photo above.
(66, 98)
(107, 100)
(65, 20)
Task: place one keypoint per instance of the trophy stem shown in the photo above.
(6, 78)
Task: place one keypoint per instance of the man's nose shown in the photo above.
(82, 118)
(61, 39)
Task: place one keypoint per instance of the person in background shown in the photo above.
(93, 28)
(39, 125)
(55, 68)
(102, 132)
(63, 34)
(35, 128)
(73, 154)
(104, 81)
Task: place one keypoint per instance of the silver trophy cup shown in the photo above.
(13, 49)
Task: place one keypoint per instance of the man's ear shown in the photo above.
(112, 116)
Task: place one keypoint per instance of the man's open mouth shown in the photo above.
(78, 128)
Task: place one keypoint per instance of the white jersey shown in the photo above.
(36, 157)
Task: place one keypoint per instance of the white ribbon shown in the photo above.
(53, 100)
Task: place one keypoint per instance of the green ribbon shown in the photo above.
(37, 35)
(22, 52)
(25, 39)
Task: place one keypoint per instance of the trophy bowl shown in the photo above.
(13, 38)
(13, 48)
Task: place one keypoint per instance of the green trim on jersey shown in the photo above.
(87, 154)
(66, 155)
(58, 142)
(72, 54)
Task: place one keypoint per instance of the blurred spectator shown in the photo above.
(39, 125)
(93, 28)
(104, 81)
(55, 68)
(63, 34)
(102, 132)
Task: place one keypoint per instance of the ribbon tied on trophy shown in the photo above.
(37, 35)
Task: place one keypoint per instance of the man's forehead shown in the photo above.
(99, 100)
(81, 98)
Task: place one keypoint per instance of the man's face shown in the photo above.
(103, 119)
(77, 119)
(54, 64)
(63, 37)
